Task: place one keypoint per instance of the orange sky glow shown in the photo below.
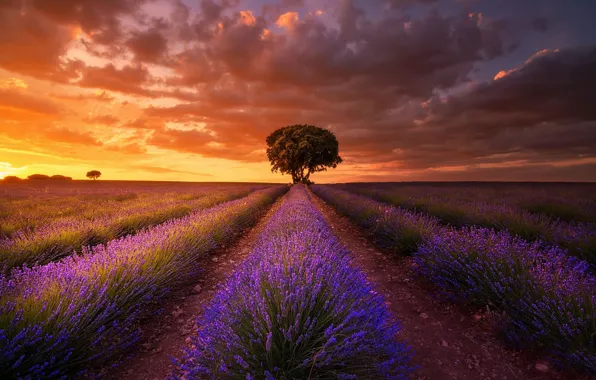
(188, 91)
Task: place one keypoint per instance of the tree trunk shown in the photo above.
(307, 177)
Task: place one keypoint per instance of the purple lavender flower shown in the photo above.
(64, 236)
(393, 229)
(548, 297)
(297, 308)
(460, 211)
(57, 318)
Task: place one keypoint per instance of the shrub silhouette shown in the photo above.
(12, 178)
(60, 177)
(38, 176)
(93, 174)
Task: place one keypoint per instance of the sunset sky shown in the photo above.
(188, 90)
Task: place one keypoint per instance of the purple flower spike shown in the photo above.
(297, 308)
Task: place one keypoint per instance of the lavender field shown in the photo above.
(262, 281)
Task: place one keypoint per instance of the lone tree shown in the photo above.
(94, 174)
(301, 150)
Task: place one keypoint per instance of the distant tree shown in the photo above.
(94, 174)
(61, 177)
(38, 176)
(12, 178)
(300, 150)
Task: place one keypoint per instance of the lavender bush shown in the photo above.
(568, 202)
(26, 213)
(392, 229)
(296, 309)
(63, 237)
(548, 297)
(62, 317)
(578, 238)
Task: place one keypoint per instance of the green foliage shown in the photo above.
(93, 174)
(300, 150)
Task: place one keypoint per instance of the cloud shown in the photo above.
(32, 44)
(148, 46)
(70, 136)
(161, 170)
(128, 80)
(101, 96)
(552, 86)
(102, 119)
(13, 83)
(287, 20)
(17, 99)
(144, 123)
(128, 148)
(204, 142)
(97, 18)
(538, 112)
(400, 4)
(186, 141)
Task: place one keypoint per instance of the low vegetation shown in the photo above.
(547, 298)
(297, 309)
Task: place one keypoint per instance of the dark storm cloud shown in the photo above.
(538, 112)
(148, 46)
(354, 76)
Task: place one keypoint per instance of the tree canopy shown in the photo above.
(12, 178)
(300, 150)
(60, 177)
(38, 176)
(93, 174)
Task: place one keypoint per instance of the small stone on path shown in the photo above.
(197, 289)
(542, 366)
(177, 312)
(424, 316)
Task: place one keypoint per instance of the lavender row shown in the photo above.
(59, 318)
(568, 202)
(22, 215)
(25, 214)
(296, 309)
(545, 298)
(579, 239)
(57, 240)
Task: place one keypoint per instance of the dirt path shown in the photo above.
(167, 334)
(449, 342)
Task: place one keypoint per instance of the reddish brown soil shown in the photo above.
(449, 342)
(166, 335)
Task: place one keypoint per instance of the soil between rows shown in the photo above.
(448, 342)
